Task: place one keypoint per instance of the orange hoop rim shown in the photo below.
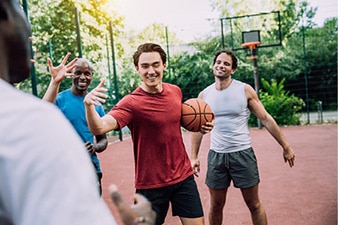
(251, 45)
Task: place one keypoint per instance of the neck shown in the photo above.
(78, 92)
(152, 89)
(222, 84)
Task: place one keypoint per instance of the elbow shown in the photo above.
(96, 131)
(268, 121)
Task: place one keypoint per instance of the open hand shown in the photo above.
(96, 96)
(61, 71)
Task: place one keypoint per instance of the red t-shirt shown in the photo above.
(154, 121)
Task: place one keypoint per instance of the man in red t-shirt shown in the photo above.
(152, 112)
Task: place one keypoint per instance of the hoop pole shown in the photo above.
(256, 75)
(222, 30)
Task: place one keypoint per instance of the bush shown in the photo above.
(282, 106)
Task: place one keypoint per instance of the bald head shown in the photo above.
(82, 62)
(14, 44)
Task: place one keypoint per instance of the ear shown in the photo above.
(14, 33)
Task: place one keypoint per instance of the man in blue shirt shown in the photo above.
(70, 102)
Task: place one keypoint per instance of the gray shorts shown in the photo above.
(240, 167)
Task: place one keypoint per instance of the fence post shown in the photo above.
(320, 111)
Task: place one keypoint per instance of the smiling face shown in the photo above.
(151, 68)
(83, 75)
(223, 68)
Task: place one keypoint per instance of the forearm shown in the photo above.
(196, 139)
(101, 143)
(93, 120)
(273, 128)
(52, 91)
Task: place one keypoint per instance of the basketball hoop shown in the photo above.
(251, 45)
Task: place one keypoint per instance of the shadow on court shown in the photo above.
(303, 195)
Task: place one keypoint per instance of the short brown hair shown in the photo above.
(149, 47)
(231, 54)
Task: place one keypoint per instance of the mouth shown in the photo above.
(82, 84)
(219, 71)
(152, 78)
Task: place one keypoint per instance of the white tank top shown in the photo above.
(230, 106)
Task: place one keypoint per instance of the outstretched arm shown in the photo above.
(269, 123)
(58, 73)
(98, 125)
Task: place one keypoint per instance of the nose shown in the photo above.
(151, 70)
(82, 76)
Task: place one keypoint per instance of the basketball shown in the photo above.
(195, 113)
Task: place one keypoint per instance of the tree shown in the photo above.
(54, 34)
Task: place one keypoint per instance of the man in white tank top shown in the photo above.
(231, 157)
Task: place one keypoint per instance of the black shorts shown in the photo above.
(240, 167)
(184, 198)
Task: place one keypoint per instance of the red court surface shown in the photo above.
(303, 195)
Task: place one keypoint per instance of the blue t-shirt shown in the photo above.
(73, 108)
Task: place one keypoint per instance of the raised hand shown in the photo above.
(96, 96)
(61, 71)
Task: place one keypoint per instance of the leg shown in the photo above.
(257, 211)
(186, 202)
(218, 180)
(192, 221)
(217, 202)
(159, 200)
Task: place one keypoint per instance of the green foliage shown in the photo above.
(307, 51)
(282, 106)
(191, 73)
(54, 34)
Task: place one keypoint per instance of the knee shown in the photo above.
(255, 206)
(217, 204)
